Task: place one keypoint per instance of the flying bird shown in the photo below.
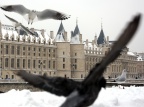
(32, 14)
(84, 93)
(18, 24)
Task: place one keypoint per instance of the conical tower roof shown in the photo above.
(60, 34)
(76, 31)
(75, 35)
(61, 29)
(101, 38)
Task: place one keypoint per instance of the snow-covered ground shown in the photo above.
(109, 97)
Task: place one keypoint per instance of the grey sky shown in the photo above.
(114, 14)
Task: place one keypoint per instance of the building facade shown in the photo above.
(140, 65)
(56, 55)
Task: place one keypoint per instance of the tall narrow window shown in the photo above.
(39, 63)
(12, 63)
(23, 63)
(23, 48)
(33, 63)
(44, 61)
(63, 59)
(12, 50)
(7, 48)
(18, 63)
(29, 63)
(53, 64)
(81, 75)
(12, 77)
(18, 50)
(53, 52)
(75, 60)
(63, 66)
(6, 62)
(49, 64)
(44, 54)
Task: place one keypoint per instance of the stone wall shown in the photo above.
(4, 87)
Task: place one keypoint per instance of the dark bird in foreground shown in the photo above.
(31, 15)
(83, 94)
(18, 24)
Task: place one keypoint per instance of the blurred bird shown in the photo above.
(83, 94)
(31, 15)
(16, 24)
(122, 77)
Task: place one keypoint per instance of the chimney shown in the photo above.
(95, 40)
(42, 33)
(51, 34)
(80, 38)
(65, 36)
(92, 42)
(107, 39)
(87, 42)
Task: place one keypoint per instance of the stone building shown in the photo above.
(56, 55)
(140, 65)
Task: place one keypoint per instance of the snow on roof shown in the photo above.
(139, 58)
(9, 31)
(75, 39)
(90, 46)
(131, 53)
(59, 38)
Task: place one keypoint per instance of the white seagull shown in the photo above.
(122, 77)
(32, 14)
(16, 24)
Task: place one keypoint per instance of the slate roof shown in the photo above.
(75, 35)
(60, 34)
(101, 39)
(61, 29)
(76, 31)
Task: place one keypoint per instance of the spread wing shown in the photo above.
(11, 19)
(55, 85)
(122, 41)
(80, 99)
(52, 14)
(23, 27)
(20, 9)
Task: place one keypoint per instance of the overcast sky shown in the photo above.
(115, 14)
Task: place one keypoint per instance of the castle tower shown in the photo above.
(63, 53)
(60, 34)
(101, 39)
(76, 37)
(77, 54)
